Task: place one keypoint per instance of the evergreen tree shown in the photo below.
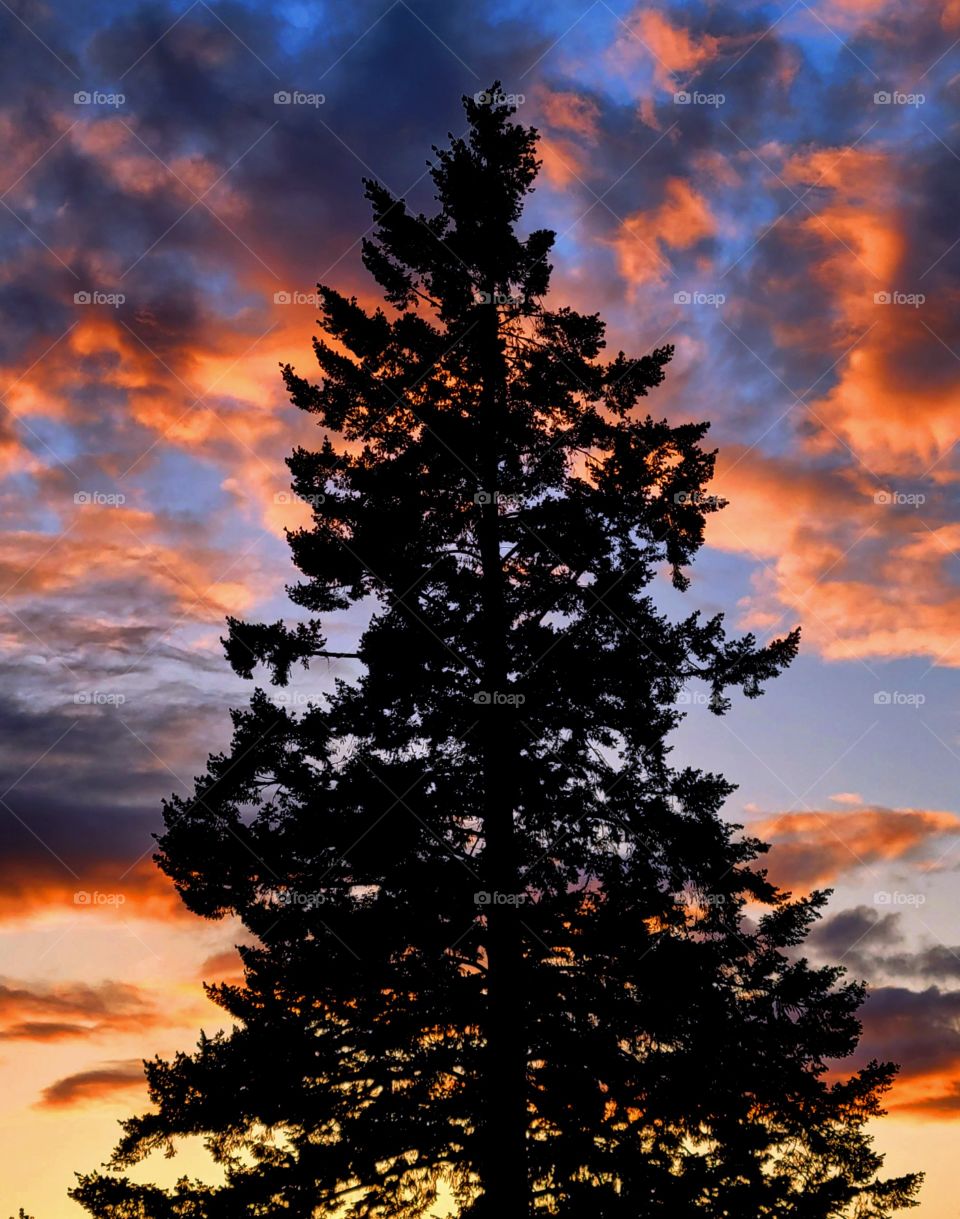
(502, 944)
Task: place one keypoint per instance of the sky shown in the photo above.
(769, 187)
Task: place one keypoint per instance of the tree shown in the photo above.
(501, 943)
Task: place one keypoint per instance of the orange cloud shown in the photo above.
(917, 1030)
(570, 112)
(70, 1010)
(811, 849)
(33, 887)
(865, 578)
(893, 402)
(218, 398)
(222, 967)
(113, 543)
(577, 117)
(103, 1083)
(673, 48)
(128, 159)
(563, 161)
(679, 222)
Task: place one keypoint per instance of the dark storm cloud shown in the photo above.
(81, 786)
(854, 937)
(862, 938)
(940, 961)
(204, 88)
(917, 1029)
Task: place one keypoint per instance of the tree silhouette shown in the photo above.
(502, 944)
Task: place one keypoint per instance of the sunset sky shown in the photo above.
(771, 188)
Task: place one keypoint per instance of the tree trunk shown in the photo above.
(505, 1184)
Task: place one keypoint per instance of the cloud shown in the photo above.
(111, 1081)
(813, 849)
(854, 937)
(71, 1010)
(862, 939)
(76, 833)
(868, 575)
(674, 49)
(573, 112)
(221, 967)
(936, 961)
(682, 220)
(920, 1030)
(891, 402)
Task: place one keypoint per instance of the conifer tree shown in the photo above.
(502, 945)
